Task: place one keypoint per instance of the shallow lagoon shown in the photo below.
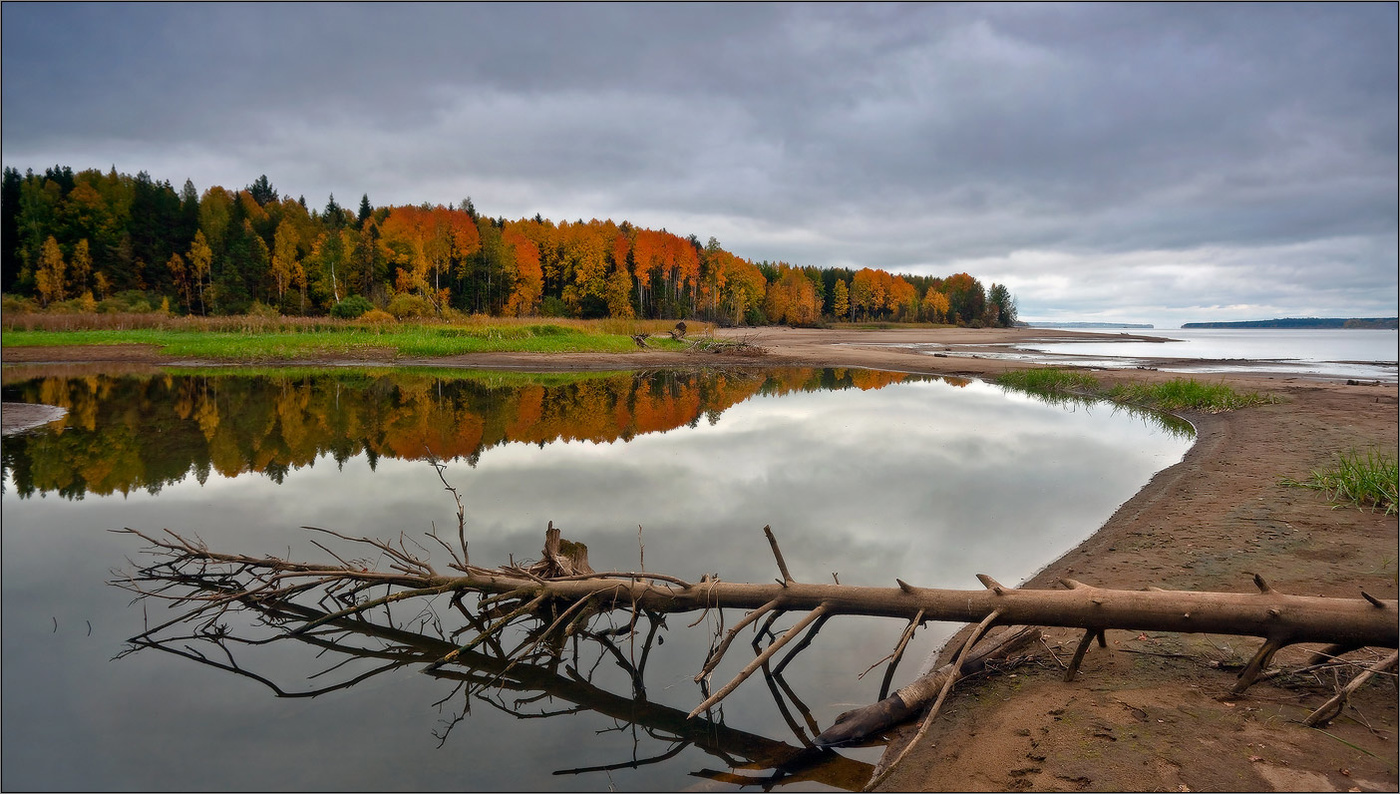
(864, 475)
(1331, 353)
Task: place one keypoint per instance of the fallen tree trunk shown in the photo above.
(1276, 616)
(1279, 618)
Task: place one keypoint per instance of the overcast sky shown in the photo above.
(1115, 163)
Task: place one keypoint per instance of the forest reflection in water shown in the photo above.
(146, 432)
(872, 475)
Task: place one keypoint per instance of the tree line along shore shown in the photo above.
(95, 241)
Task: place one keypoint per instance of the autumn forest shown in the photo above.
(109, 242)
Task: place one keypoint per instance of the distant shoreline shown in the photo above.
(1383, 323)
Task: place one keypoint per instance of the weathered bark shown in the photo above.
(1283, 618)
(561, 557)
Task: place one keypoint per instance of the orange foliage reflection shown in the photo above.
(144, 431)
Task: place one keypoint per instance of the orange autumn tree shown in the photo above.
(459, 240)
(528, 286)
(792, 299)
(876, 294)
(429, 242)
(685, 273)
(867, 294)
(732, 286)
(966, 298)
(666, 268)
(935, 306)
(585, 255)
(649, 252)
(902, 300)
(405, 233)
(619, 289)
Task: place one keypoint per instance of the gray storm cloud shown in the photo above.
(1054, 148)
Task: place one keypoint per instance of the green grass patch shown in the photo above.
(507, 332)
(280, 343)
(1050, 382)
(1365, 480)
(1064, 388)
(1178, 394)
(1188, 394)
(1153, 401)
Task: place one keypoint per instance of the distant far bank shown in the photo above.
(1306, 322)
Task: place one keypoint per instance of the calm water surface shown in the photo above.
(1344, 351)
(1368, 354)
(864, 475)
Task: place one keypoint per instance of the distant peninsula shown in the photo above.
(1306, 322)
(1088, 325)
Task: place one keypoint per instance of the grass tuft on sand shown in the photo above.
(1358, 479)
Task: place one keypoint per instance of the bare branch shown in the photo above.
(1089, 635)
(465, 559)
(388, 599)
(1329, 710)
(493, 629)
(713, 661)
(899, 653)
(772, 648)
(778, 555)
